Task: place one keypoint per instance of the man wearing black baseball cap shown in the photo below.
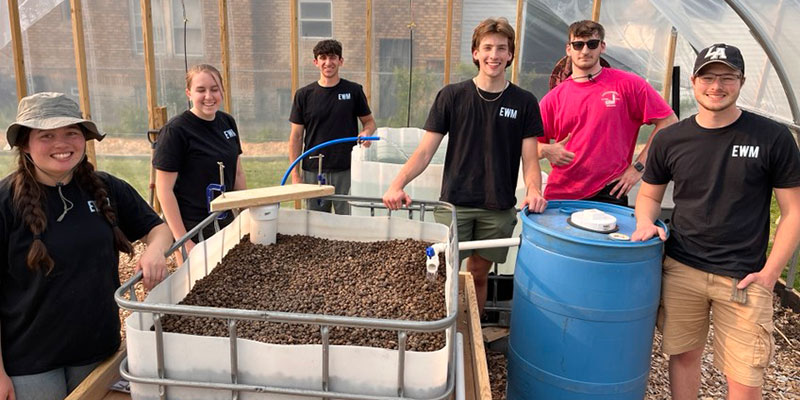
(725, 163)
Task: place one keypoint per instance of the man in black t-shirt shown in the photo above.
(328, 109)
(725, 163)
(491, 123)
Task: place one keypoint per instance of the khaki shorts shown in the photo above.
(743, 342)
(481, 224)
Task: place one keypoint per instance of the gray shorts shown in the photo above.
(480, 224)
(51, 385)
(341, 181)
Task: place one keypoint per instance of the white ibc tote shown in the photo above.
(374, 168)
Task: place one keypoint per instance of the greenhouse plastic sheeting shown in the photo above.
(637, 32)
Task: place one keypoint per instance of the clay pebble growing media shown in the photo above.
(309, 275)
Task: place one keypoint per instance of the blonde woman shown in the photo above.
(188, 151)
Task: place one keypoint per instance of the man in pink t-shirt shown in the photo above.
(593, 118)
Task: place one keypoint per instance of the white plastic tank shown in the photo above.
(374, 168)
(369, 371)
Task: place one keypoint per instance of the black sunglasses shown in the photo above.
(578, 44)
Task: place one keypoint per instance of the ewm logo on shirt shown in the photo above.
(229, 134)
(93, 206)
(744, 151)
(344, 96)
(508, 112)
(610, 98)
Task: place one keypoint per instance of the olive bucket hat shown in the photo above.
(49, 110)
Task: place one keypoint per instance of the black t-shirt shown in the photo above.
(192, 146)
(483, 153)
(329, 113)
(68, 317)
(723, 187)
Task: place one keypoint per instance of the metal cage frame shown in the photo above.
(402, 327)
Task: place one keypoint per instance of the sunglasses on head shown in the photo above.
(578, 44)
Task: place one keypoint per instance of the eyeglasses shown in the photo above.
(578, 44)
(725, 79)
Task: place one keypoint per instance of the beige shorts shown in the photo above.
(743, 342)
(481, 224)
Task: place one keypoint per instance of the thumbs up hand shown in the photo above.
(557, 153)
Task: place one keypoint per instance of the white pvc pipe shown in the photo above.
(460, 384)
(489, 243)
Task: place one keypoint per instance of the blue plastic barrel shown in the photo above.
(584, 308)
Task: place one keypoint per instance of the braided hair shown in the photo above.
(28, 196)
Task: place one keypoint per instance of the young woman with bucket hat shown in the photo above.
(62, 226)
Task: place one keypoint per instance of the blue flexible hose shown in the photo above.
(322, 145)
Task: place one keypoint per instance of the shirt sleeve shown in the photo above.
(170, 148)
(439, 117)
(784, 161)
(652, 104)
(296, 115)
(238, 134)
(546, 116)
(134, 216)
(533, 120)
(362, 107)
(656, 171)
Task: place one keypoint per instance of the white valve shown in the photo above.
(432, 264)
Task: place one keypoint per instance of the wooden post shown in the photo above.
(156, 116)
(149, 63)
(80, 66)
(368, 54)
(16, 44)
(226, 57)
(448, 47)
(596, 10)
(518, 46)
(673, 40)
(293, 47)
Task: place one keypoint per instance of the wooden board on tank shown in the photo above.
(269, 195)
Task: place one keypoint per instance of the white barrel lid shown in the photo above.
(594, 220)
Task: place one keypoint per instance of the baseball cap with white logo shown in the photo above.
(719, 53)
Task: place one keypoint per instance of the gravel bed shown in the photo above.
(310, 275)
(782, 379)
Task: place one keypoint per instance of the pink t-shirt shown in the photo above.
(604, 116)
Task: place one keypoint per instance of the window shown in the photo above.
(194, 27)
(316, 19)
(284, 101)
(168, 27)
(393, 64)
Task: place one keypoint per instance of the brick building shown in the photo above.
(260, 54)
